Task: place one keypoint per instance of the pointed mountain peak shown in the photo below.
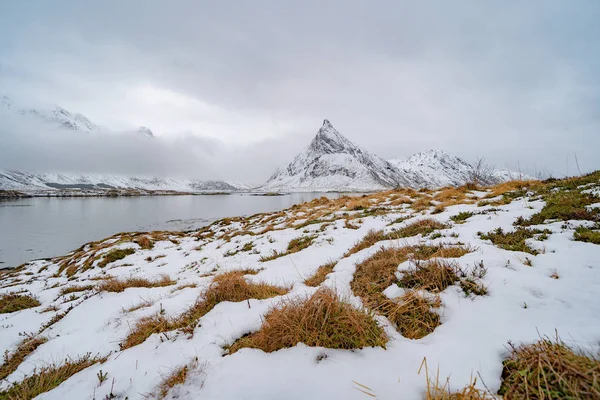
(328, 140)
(145, 131)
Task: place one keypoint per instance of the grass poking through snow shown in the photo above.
(11, 302)
(320, 274)
(411, 314)
(118, 285)
(48, 377)
(549, 369)
(322, 319)
(231, 286)
(515, 240)
(114, 255)
(12, 360)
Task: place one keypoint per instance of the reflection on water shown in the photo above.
(46, 227)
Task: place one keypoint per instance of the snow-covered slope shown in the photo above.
(436, 168)
(527, 297)
(31, 182)
(57, 116)
(332, 162)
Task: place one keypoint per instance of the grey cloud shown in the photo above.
(516, 82)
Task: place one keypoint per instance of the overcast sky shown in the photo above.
(234, 89)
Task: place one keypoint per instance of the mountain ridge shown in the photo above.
(332, 162)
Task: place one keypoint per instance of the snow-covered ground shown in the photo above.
(524, 302)
(47, 182)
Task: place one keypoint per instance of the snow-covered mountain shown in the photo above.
(332, 162)
(49, 181)
(57, 116)
(436, 168)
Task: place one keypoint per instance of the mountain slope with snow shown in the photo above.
(436, 168)
(332, 162)
(57, 116)
(48, 181)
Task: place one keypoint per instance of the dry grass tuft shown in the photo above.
(322, 319)
(75, 289)
(144, 242)
(11, 302)
(12, 361)
(549, 369)
(421, 227)
(48, 377)
(114, 255)
(118, 285)
(294, 246)
(319, 276)
(369, 240)
(433, 275)
(421, 204)
(176, 377)
(230, 286)
(516, 240)
(411, 314)
(440, 390)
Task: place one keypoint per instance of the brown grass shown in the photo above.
(319, 276)
(433, 275)
(549, 369)
(369, 240)
(294, 246)
(176, 377)
(11, 302)
(411, 314)
(322, 320)
(349, 225)
(230, 286)
(144, 242)
(12, 361)
(421, 227)
(119, 285)
(440, 390)
(114, 255)
(48, 377)
(421, 204)
(75, 289)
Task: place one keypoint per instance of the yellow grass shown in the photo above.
(320, 274)
(230, 286)
(322, 319)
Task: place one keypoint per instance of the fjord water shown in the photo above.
(42, 227)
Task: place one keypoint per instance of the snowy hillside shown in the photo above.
(333, 299)
(34, 182)
(332, 162)
(57, 116)
(435, 168)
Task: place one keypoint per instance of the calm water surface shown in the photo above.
(47, 227)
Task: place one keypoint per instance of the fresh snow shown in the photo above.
(333, 163)
(47, 182)
(524, 303)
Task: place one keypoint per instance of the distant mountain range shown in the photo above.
(44, 182)
(330, 162)
(60, 117)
